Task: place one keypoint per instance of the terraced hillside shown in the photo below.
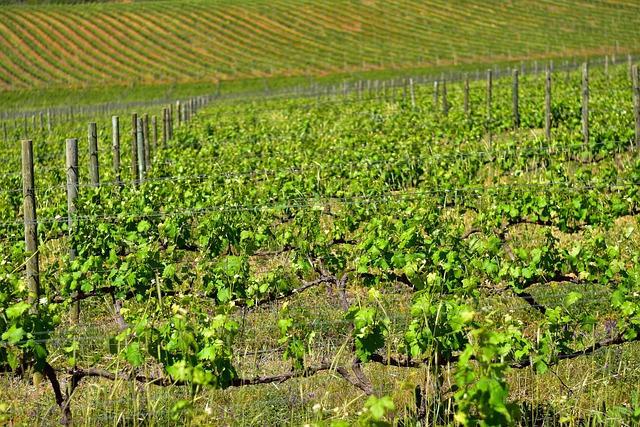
(194, 40)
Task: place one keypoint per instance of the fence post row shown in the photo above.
(30, 225)
(72, 194)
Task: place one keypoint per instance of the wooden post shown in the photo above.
(466, 95)
(547, 106)
(94, 169)
(4, 131)
(147, 151)
(445, 105)
(115, 121)
(26, 131)
(154, 121)
(393, 92)
(404, 93)
(49, 119)
(30, 225)
(170, 122)
(413, 95)
(134, 147)
(72, 194)
(179, 110)
(489, 87)
(41, 114)
(141, 155)
(585, 103)
(636, 103)
(164, 128)
(435, 95)
(516, 108)
(606, 69)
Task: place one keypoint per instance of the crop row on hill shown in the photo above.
(168, 41)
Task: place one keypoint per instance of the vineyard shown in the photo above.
(107, 44)
(459, 252)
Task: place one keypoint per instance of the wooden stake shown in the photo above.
(94, 169)
(547, 106)
(489, 88)
(636, 103)
(585, 103)
(516, 110)
(72, 194)
(134, 147)
(30, 225)
(115, 121)
(141, 155)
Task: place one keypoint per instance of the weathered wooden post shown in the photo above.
(413, 95)
(141, 156)
(94, 169)
(489, 87)
(466, 95)
(72, 194)
(170, 123)
(547, 106)
(636, 103)
(165, 131)
(134, 147)
(516, 108)
(436, 89)
(445, 105)
(585, 103)
(30, 225)
(154, 121)
(147, 151)
(115, 123)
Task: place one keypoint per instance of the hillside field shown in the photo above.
(198, 40)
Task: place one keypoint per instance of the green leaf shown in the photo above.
(143, 226)
(86, 286)
(224, 294)
(379, 406)
(13, 335)
(133, 354)
(573, 297)
(16, 310)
